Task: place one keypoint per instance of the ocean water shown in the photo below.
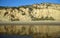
(16, 36)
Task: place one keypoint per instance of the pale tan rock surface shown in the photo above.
(27, 13)
(44, 11)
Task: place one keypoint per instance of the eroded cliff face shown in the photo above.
(36, 12)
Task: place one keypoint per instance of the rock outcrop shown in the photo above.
(35, 12)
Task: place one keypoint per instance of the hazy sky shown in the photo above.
(24, 2)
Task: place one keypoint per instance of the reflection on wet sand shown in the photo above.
(38, 31)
